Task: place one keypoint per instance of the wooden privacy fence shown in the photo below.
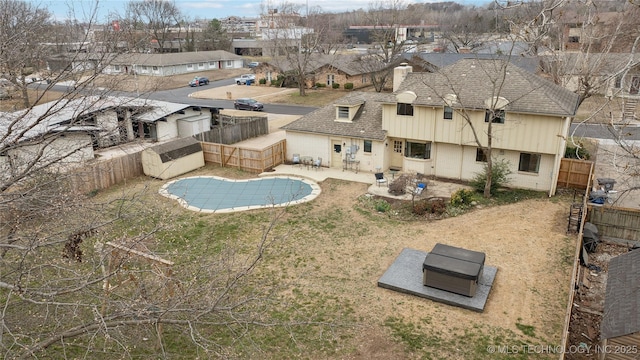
(102, 174)
(233, 129)
(617, 223)
(574, 173)
(252, 160)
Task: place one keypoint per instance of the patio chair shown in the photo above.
(317, 163)
(380, 179)
(296, 160)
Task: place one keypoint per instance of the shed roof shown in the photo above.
(473, 81)
(367, 123)
(622, 297)
(176, 149)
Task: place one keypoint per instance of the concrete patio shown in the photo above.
(434, 187)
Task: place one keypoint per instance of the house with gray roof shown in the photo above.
(160, 64)
(66, 132)
(620, 326)
(436, 124)
(321, 69)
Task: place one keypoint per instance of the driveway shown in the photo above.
(231, 92)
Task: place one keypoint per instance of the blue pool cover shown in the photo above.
(217, 194)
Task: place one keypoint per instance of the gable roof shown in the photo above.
(55, 116)
(622, 298)
(440, 60)
(348, 64)
(595, 63)
(174, 58)
(475, 80)
(367, 123)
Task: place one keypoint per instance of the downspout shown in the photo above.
(559, 155)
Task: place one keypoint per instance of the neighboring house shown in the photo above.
(323, 69)
(620, 327)
(608, 74)
(420, 128)
(154, 64)
(67, 132)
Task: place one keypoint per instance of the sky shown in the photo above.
(202, 9)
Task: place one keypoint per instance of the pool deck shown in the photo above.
(434, 187)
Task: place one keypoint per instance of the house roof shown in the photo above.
(348, 64)
(622, 297)
(595, 63)
(176, 149)
(55, 116)
(440, 60)
(174, 58)
(474, 81)
(367, 123)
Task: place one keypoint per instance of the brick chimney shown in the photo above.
(399, 74)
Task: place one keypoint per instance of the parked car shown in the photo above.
(248, 104)
(245, 79)
(199, 81)
(253, 64)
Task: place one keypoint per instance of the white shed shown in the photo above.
(173, 158)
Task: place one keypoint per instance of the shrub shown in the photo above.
(321, 85)
(462, 197)
(335, 86)
(274, 81)
(382, 206)
(263, 81)
(348, 86)
(577, 152)
(499, 176)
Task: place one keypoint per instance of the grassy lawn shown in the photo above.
(318, 285)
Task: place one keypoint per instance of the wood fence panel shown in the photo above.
(618, 223)
(235, 129)
(103, 174)
(574, 173)
(251, 160)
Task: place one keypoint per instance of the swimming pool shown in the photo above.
(214, 194)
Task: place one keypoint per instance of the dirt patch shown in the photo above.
(586, 315)
(525, 241)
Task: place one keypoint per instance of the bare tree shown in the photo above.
(386, 19)
(159, 19)
(24, 28)
(466, 29)
(296, 48)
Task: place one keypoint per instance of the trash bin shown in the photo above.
(597, 197)
(607, 183)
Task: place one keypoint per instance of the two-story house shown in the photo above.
(437, 123)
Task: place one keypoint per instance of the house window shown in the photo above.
(189, 66)
(618, 83)
(145, 69)
(116, 68)
(155, 69)
(635, 85)
(397, 146)
(480, 155)
(448, 113)
(229, 63)
(404, 109)
(343, 112)
(496, 116)
(330, 79)
(365, 79)
(574, 39)
(367, 146)
(200, 65)
(417, 150)
(212, 64)
(529, 162)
